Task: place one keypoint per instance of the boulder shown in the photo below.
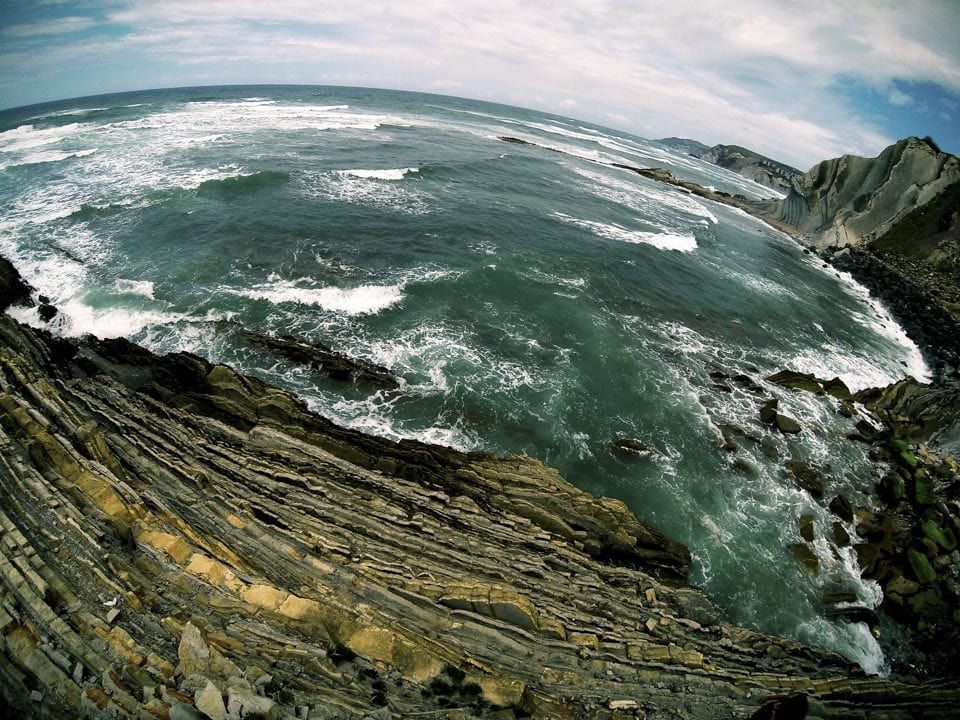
(891, 488)
(768, 411)
(921, 567)
(901, 586)
(787, 425)
(630, 448)
(807, 527)
(924, 488)
(805, 477)
(796, 381)
(841, 507)
(806, 556)
(840, 535)
(941, 535)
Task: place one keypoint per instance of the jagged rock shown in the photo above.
(787, 425)
(193, 652)
(630, 448)
(47, 312)
(841, 507)
(324, 360)
(209, 701)
(747, 383)
(796, 381)
(768, 411)
(13, 289)
(805, 477)
(807, 527)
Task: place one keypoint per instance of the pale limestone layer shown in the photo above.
(851, 201)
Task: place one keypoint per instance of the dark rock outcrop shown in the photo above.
(322, 359)
(13, 289)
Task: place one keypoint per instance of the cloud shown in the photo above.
(743, 71)
(58, 26)
(899, 98)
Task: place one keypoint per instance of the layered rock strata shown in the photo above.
(852, 201)
(178, 540)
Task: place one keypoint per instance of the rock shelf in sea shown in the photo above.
(180, 541)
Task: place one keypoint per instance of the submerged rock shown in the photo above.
(630, 448)
(322, 359)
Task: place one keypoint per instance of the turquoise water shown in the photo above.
(531, 297)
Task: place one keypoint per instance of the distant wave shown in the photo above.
(47, 156)
(243, 184)
(663, 240)
(394, 174)
(27, 137)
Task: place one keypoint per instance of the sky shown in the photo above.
(797, 80)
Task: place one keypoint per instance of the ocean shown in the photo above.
(531, 297)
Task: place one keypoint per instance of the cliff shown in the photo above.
(182, 541)
(741, 160)
(853, 201)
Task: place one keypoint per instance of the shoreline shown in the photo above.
(203, 505)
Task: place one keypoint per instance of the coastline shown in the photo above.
(178, 534)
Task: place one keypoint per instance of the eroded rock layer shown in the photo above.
(182, 541)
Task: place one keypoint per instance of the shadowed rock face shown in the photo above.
(179, 537)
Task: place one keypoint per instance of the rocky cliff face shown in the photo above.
(852, 201)
(178, 540)
(741, 160)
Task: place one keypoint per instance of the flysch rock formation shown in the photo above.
(852, 201)
(742, 161)
(178, 541)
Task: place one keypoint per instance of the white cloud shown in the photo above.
(899, 98)
(58, 26)
(743, 71)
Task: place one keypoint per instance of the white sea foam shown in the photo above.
(27, 137)
(394, 174)
(662, 240)
(655, 201)
(134, 287)
(361, 300)
(48, 156)
(76, 318)
(338, 186)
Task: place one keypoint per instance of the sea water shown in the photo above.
(531, 297)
